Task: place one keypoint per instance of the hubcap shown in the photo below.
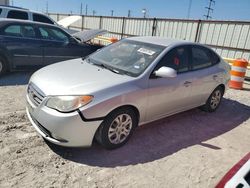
(120, 129)
(215, 100)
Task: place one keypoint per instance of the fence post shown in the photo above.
(154, 27)
(100, 23)
(123, 26)
(198, 30)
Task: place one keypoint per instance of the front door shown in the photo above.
(58, 46)
(170, 95)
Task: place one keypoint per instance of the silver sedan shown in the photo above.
(132, 82)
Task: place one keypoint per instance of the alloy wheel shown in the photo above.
(215, 99)
(120, 128)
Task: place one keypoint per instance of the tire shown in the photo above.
(3, 66)
(214, 100)
(117, 128)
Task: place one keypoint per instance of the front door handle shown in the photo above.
(187, 83)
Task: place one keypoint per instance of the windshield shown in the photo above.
(126, 56)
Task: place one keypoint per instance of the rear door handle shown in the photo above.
(187, 83)
(215, 77)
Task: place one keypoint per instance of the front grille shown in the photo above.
(35, 96)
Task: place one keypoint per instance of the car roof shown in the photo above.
(159, 40)
(12, 7)
(10, 20)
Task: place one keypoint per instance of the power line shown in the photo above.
(209, 9)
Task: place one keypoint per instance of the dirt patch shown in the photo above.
(191, 149)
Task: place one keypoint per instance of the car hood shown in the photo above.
(66, 22)
(89, 34)
(75, 77)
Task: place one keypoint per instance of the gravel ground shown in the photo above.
(191, 149)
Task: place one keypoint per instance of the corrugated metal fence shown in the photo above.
(229, 38)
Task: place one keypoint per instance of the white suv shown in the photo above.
(24, 14)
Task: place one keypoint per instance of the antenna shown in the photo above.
(209, 9)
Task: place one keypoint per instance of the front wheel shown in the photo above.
(214, 100)
(117, 128)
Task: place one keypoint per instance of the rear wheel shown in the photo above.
(214, 100)
(3, 66)
(117, 128)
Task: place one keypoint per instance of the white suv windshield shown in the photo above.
(127, 56)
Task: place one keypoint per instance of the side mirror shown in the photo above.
(165, 72)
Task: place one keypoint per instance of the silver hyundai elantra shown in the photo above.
(129, 83)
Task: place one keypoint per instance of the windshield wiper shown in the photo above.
(102, 65)
(107, 67)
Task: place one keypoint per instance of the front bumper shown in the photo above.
(65, 129)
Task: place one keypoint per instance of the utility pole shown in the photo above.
(129, 13)
(144, 12)
(209, 9)
(112, 12)
(81, 9)
(86, 10)
(94, 12)
(189, 9)
(47, 7)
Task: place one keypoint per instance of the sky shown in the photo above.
(223, 9)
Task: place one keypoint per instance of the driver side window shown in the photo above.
(53, 34)
(176, 58)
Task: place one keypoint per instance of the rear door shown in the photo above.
(23, 44)
(206, 73)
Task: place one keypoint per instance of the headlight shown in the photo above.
(68, 103)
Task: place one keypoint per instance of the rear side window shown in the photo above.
(13, 30)
(177, 59)
(53, 34)
(0, 11)
(17, 15)
(20, 31)
(201, 57)
(41, 18)
(214, 58)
